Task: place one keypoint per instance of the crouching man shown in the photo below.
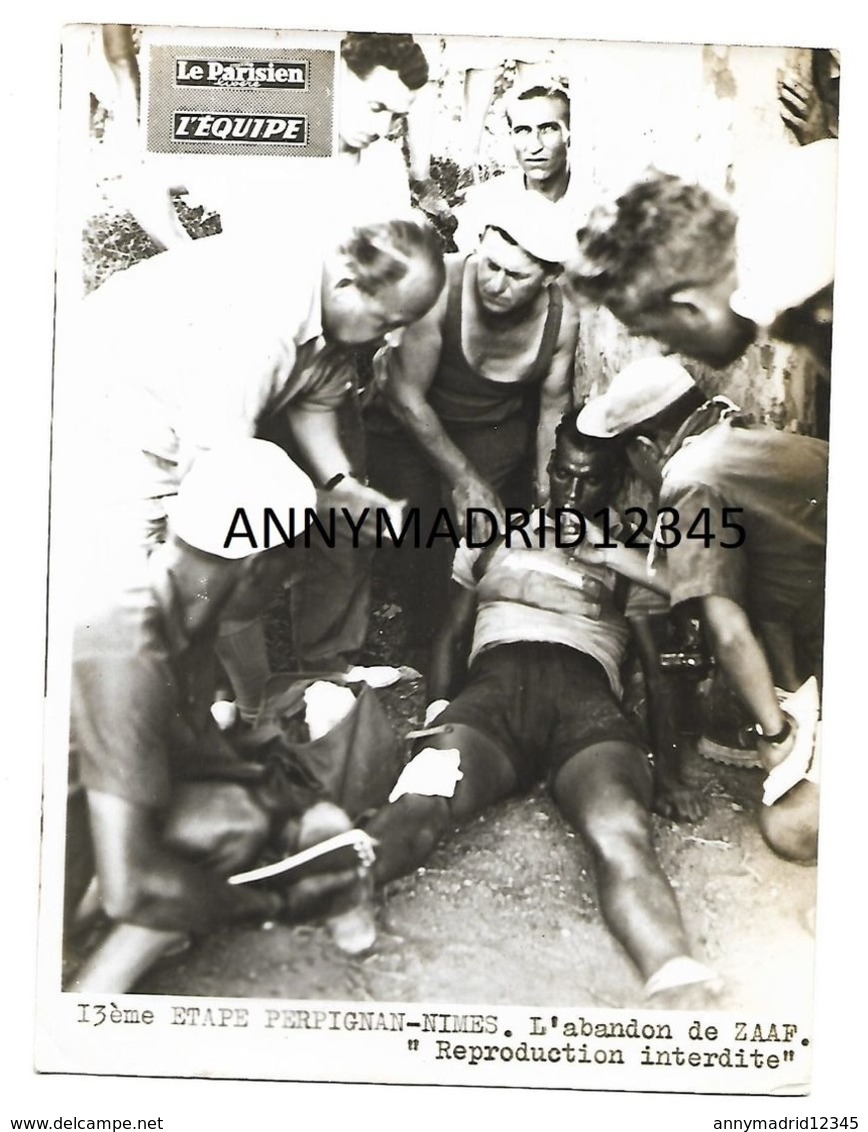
(169, 814)
(742, 518)
(542, 701)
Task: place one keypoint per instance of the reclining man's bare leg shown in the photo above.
(407, 830)
(604, 792)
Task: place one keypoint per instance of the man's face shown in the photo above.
(507, 278)
(583, 479)
(646, 459)
(353, 317)
(540, 137)
(258, 575)
(372, 107)
(697, 322)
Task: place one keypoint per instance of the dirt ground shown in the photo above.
(505, 912)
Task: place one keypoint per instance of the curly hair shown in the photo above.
(381, 253)
(661, 235)
(362, 51)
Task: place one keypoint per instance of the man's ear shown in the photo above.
(690, 300)
(341, 272)
(707, 297)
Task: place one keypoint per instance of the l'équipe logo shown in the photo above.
(274, 129)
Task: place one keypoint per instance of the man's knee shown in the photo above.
(605, 791)
(406, 832)
(789, 827)
(414, 817)
(620, 833)
(216, 822)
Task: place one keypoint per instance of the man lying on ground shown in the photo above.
(542, 700)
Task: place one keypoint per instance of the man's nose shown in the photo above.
(379, 123)
(498, 280)
(575, 493)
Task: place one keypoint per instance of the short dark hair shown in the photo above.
(662, 234)
(380, 252)
(362, 51)
(556, 93)
(547, 265)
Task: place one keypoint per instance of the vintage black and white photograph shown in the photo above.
(440, 444)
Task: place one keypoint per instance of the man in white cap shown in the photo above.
(481, 381)
(167, 814)
(539, 127)
(742, 517)
(667, 260)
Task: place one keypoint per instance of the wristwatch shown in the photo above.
(780, 736)
(331, 484)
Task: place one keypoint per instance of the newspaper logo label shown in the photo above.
(264, 74)
(274, 129)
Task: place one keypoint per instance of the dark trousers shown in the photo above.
(500, 453)
(330, 600)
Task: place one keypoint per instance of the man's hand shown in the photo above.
(771, 754)
(356, 496)
(802, 109)
(589, 550)
(473, 491)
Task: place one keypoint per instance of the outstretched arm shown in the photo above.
(630, 562)
(146, 193)
(741, 657)
(316, 433)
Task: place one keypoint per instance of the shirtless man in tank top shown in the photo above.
(493, 359)
(478, 385)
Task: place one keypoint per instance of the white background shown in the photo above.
(29, 86)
